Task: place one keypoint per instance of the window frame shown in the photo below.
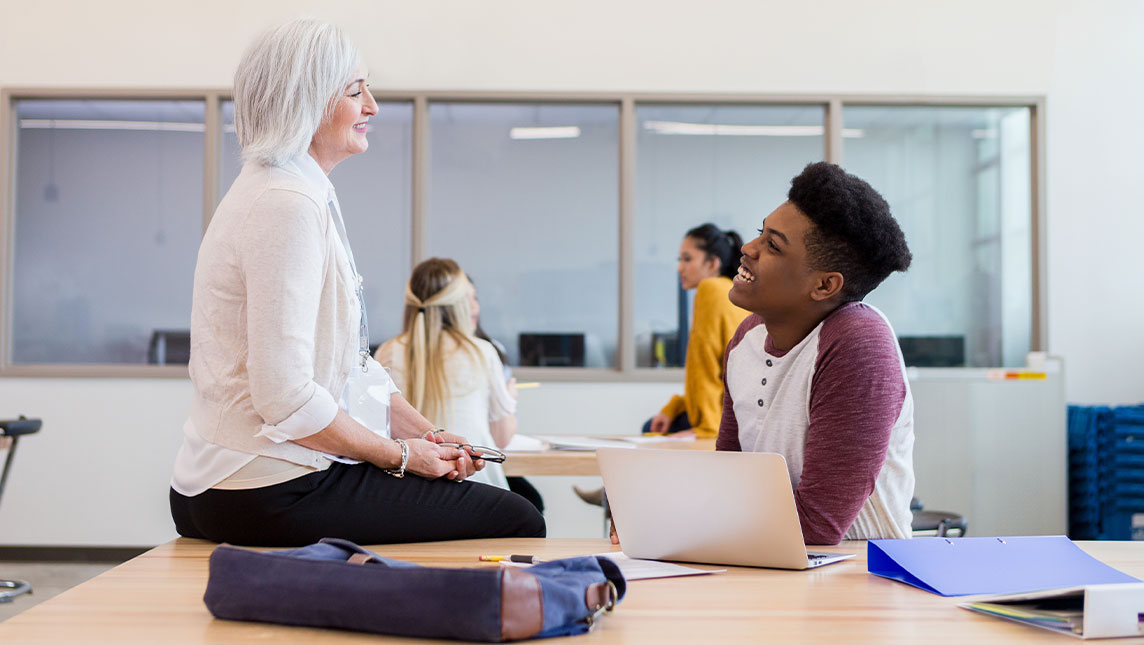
(626, 370)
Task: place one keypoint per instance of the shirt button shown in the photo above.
(769, 363)
(764, 381)
(760, 403)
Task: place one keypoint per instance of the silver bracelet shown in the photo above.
(400, 472)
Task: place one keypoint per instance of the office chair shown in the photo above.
(169, 347)
(14, 429)
(939, 522)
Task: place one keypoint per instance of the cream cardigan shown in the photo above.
(274, 324)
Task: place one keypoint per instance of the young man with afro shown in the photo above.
(814, 373)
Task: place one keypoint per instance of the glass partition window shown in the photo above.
(107, 198)
(525, 197)
(726, 164)
(375, 191)
(107, 223)
(958, 181)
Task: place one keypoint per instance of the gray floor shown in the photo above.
(47, 579)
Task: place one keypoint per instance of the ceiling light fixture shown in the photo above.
(91, 124)
(729, 130)
(557, 132)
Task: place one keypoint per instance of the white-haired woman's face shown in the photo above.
(344, 133)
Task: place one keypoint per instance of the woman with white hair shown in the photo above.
(295, 433)
(448, 374)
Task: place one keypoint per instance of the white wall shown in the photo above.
(1085, 57)
(1096, 216)
(99, 470)
(721, 45)
(97, 474)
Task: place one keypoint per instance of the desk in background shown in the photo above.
(580, 462)
(157, 598)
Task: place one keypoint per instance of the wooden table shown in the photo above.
(580, 462)
(157, 598)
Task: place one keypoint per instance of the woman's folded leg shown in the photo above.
(360, 503)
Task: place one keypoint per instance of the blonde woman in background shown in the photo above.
(453, 378)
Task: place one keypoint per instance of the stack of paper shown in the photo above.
(525, 443)
(658, 438)
(573, 442)
(1044, 615)
(1093, 611)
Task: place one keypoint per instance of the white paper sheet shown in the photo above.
(587, 444)
(658, 438)
(525, 443)
(634, 569)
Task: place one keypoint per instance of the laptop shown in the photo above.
(736, 508)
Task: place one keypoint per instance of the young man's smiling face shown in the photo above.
(774, 279)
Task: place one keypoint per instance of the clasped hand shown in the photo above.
(429, 460)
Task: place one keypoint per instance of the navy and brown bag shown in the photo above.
(337, 584)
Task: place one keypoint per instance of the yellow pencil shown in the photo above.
(528, 385)
(524, 559)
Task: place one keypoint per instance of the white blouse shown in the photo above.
(479, 394)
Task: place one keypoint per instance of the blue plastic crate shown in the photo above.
(1122, 524)
(1106, 472)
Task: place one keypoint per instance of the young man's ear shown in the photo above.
(826, 286)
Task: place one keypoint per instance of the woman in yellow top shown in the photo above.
(708, 260)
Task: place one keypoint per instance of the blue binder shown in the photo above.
(988, 565)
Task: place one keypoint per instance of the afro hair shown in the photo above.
(853, 233)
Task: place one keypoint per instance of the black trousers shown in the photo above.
(678, 424)
(358, 503)
(525, 489)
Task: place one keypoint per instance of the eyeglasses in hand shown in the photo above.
(490, 455)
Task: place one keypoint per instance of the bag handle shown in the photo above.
(602, 597)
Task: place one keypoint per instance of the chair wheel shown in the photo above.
(9, 589)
